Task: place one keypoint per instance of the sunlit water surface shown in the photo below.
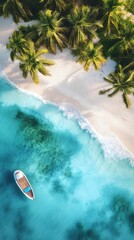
(80, 193)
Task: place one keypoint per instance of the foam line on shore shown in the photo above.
(71, 84)
(111, 144)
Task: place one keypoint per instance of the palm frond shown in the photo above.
(35, 77)
(114, 92)
(47, 62)
(129, 66)
(109, 80)
(105, 91)
(131, 78)
(41, 51)
(12, 55)
(31, 48)
(126, 100)
(43, 71)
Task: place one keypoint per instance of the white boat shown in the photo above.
(24, 185)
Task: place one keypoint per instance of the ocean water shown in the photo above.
(81, 192)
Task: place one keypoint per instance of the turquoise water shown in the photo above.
(81, 193)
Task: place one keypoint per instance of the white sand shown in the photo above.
(70, 86)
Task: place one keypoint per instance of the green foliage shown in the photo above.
(94, 3)
(50, 31)
(123, 40)
(19, 9)
(130, 6)
(82, 25)
(31, 62)
(111, 10)
(120, 44)
(122, 81)
(29, 32)
(74, 24)
(58, 5)
(17, 44)
(89, 54)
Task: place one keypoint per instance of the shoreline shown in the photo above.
(106, 140)
(68, 85)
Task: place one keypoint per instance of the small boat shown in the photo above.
(24, 185)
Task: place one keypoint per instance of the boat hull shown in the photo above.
(24, 184)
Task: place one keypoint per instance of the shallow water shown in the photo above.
(80, 193)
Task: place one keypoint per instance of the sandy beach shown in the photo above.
(75, 89)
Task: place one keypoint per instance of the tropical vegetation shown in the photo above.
(91, 54)
(17, 44)
(31, 62)
(19, 9)
(50, 31)
(122, 81)
(111, 10)
(93, 30)
(58, 5)
(120, 43)
(82, 25)
(130, 6)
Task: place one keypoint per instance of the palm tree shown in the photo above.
(82, 24)
(17, 44)
(123, 41)
(58, 5)
(111, 9)
(29, 32)
(93, 3)
(30, 62)
(17, 8)
(50, 31)
(130, 6)
(90, 54)
(122, 81)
